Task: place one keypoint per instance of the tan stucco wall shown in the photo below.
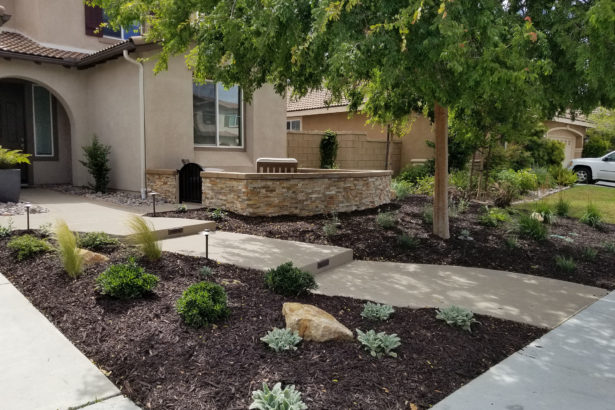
(60, 22)
(413, 143)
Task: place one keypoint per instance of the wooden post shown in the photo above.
(440, 198)
(388, 147)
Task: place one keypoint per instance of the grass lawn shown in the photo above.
(580, 195)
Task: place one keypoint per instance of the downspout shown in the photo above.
(141, 122)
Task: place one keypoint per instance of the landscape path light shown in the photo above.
(153, 195)
(206, 233)
(28, 205)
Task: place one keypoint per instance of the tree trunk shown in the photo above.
(440, 198)
(386, 159)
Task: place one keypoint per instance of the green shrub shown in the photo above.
(6, 231)
(493, 217)
(565, 264)
(96, 241)
(544, 209)
(202, 303)
(511, 242)
(330, 227)
(532, 228)
(424, 185)
(464, 235)
(376, 311)
(523, 180)
(27, 246)
(412, 173)
(289, 280)
(206, 272)
(406, 241)
(379, 344)
(456, 316)
(181, 208)
(597, 145)
(126, 281)
(97, 163)
(12, 158)
(282, 339)
(218, 214)
(428, 214)
(609, 246)
(461, 181)
(592, 216)
(544, 178)
(503, 193)
(277, 398)
(46, 230)
(402, 189)
(70, 255)
(562, 207)
(144, 237)
(589, 253)
(563, 176)
(386, 220)
(328, 150)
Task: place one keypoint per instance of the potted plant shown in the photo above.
(10, 173)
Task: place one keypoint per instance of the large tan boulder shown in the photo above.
(92, 258)
(313, 323)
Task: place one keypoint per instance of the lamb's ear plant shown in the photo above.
(376, 311)
(70, 254)
(144, 237)
(379, 344)
(281, 340)
(457, 316)
(277, 398)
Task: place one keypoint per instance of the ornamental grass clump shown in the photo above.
(386, 220)
(144, 237)
(589, 254)
(126, 281)
(592, 216)
(376, 311)
(288, 280)
(532, 227)
(277, 398)
(281, 340)
(406, 241)
(565, 264)
(70, 254)
(562, 207)
(544, 210)
(379, 344)
(28, 246)
(457, 316)
(202, 304)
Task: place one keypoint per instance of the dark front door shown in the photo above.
(12, 120)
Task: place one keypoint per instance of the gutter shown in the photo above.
(141, 123)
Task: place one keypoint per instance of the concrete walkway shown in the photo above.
(41, 369)
(85, 215)
(523, 298)
(571, 367)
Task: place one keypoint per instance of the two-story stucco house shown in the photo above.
(62, 80)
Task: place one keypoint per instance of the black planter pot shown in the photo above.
(10, 185)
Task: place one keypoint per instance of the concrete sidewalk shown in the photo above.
(41, 369)
(571, 367)
(523, 298)
(84, 215)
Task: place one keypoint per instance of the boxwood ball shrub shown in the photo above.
(126, 281)
(288, 280)
(202, 303)
(27, 246)
(96, 241)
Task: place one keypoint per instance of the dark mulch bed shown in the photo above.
(161, 364)
(360, 232)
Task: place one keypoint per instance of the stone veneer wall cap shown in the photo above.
(298, 175)
(161, 171)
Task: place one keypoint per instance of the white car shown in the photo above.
(589, 170)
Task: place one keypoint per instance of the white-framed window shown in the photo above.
(293, 125)
(124, 33)
(217, 114)
(42, 114)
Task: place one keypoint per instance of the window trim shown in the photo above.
(290, 120)
(241, 126)
(52, 123)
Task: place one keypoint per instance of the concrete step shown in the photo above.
(258, 252)
(183, 227)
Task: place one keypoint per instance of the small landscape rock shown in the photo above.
(314, 324)
(92, 258)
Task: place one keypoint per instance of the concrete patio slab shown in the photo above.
(258, 252)
(3, 280)
(41, 369)
(523, 298)
(84, 215)
(114, 403)
(573, 366)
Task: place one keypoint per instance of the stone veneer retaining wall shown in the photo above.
(308, 192)
(356, 150)
(163, 181)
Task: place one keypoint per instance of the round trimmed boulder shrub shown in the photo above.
(288, 280)
(126, 281)
(202, 303)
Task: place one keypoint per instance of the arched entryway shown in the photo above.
(34, 120)
(571, 139)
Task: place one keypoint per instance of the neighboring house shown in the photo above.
(62, 80)
(310, 114)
